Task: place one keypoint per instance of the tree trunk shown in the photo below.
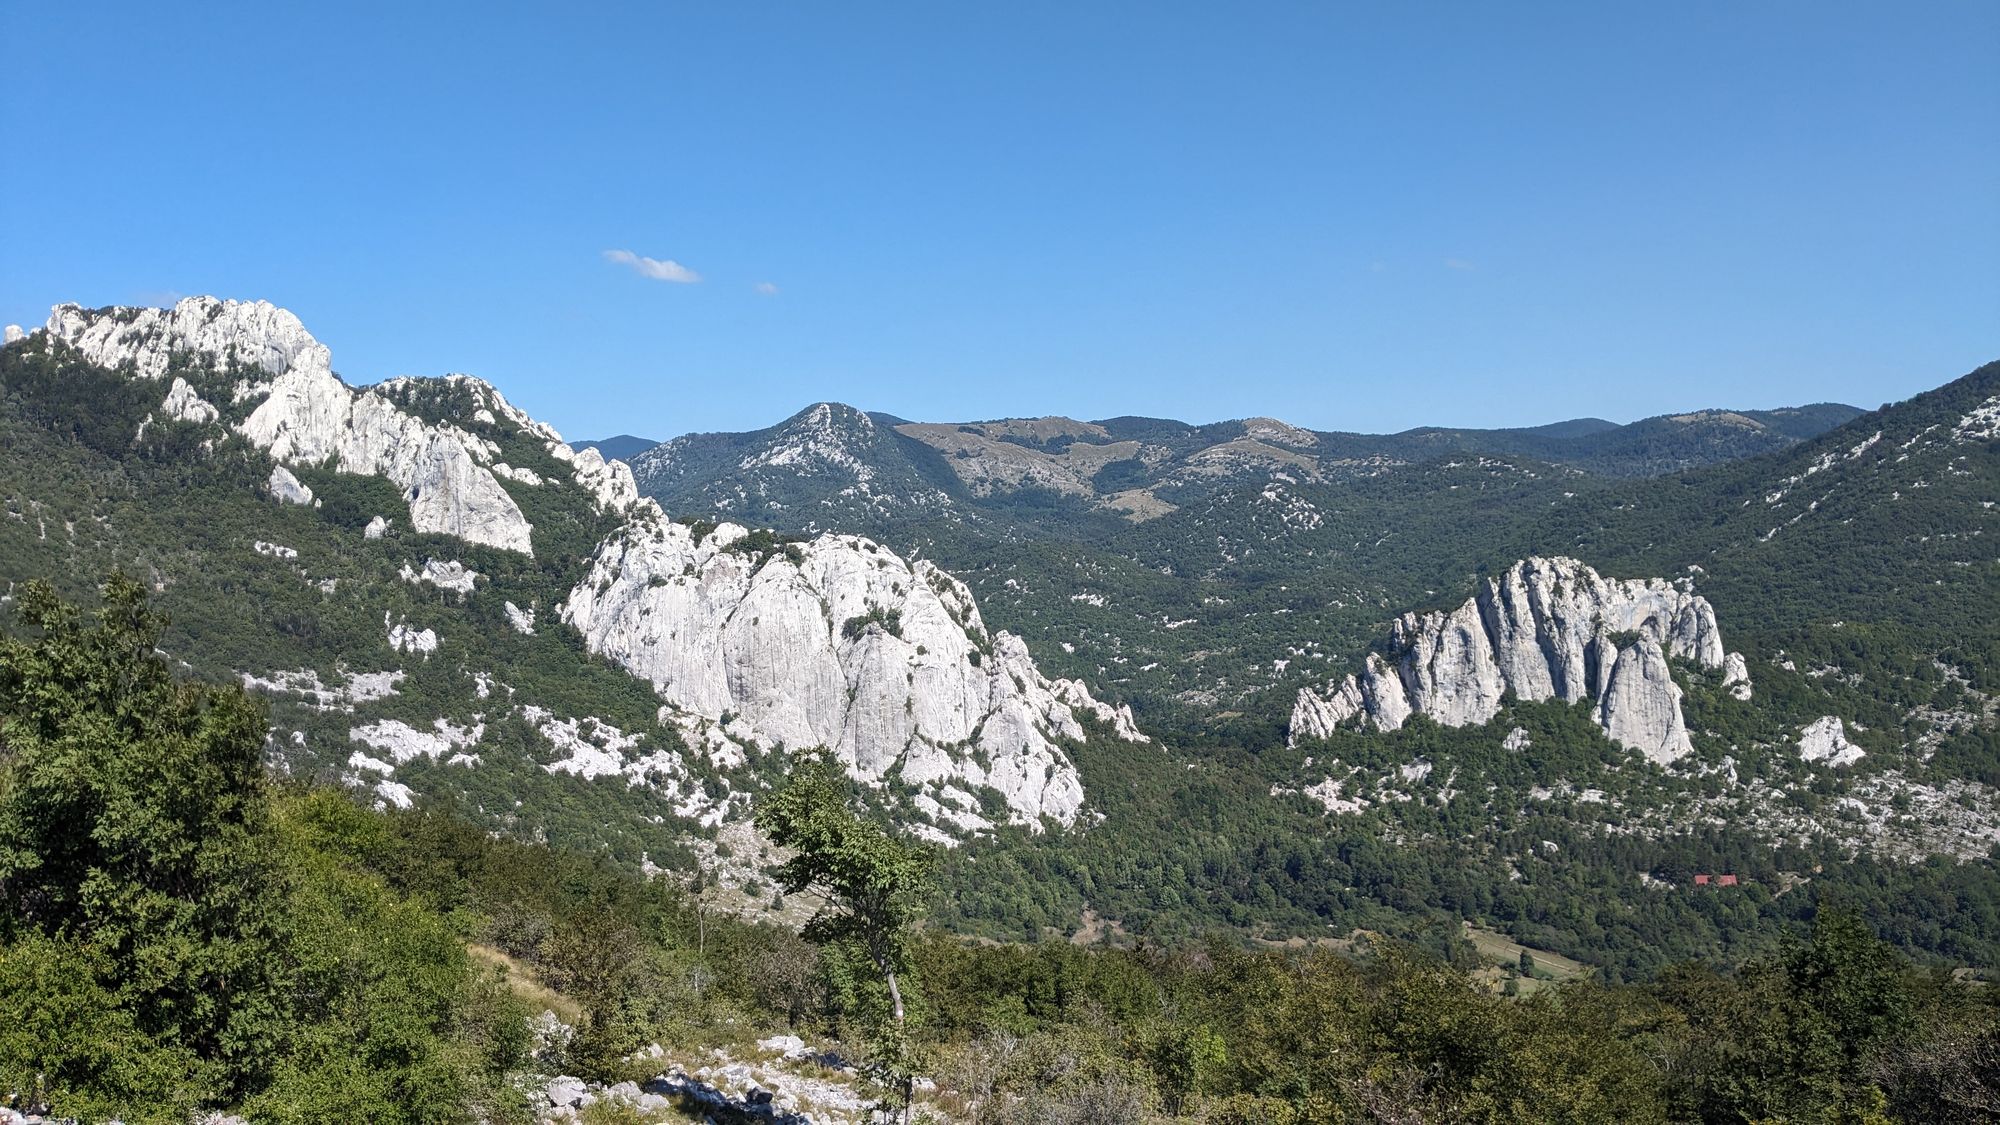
(895, 998)
(896, 1009)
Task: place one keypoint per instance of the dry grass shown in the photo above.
(522, 981)
(1506, 951)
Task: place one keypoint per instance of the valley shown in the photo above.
(1428, 689)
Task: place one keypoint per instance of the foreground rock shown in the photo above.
(1546, 629)
(782, 1081)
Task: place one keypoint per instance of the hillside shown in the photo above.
(444, 603)
(447, 607)
(274, 953)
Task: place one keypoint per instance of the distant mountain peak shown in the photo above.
(1278, 432)
(618, 447)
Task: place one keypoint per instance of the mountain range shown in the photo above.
(834, 465)
(1239, 675)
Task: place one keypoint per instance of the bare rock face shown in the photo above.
(1641, 704)
(1546, 629)
(311, 417)
(286, 488)
(303, 414)
(256, 334)
(1824, 741)
(185, 405)
(838, 643)
(1736, 676)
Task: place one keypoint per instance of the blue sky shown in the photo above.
(1353, 216)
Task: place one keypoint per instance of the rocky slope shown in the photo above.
(301, 413)
(1545, 629)
(836, 643)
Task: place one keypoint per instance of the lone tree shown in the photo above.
(874, 885)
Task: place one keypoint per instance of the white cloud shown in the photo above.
(655, 268)
(765, 289)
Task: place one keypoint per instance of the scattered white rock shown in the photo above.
(404, 743)
(403, 637)
(356, 687)
(451, 575)
(376, 528)
(594, 749)
(273, 550)
(1980, 423)
(13, 332)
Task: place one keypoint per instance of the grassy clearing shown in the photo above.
(1505, 950)
(522, 981)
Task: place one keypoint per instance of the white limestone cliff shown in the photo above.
(839, 643)
(303, 414)
(1545, 629)
(1641, 704)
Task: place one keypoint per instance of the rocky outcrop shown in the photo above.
(1546, 629)
(303, 414)
(445, 575)
(838, 643)
(1641, 704)
(184, 405)
(310, 417)
(405, 637)
(286, 488)
(1736, 676)
(1824, 741)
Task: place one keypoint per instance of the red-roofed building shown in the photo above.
(1725, 880)
(1701, 880)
